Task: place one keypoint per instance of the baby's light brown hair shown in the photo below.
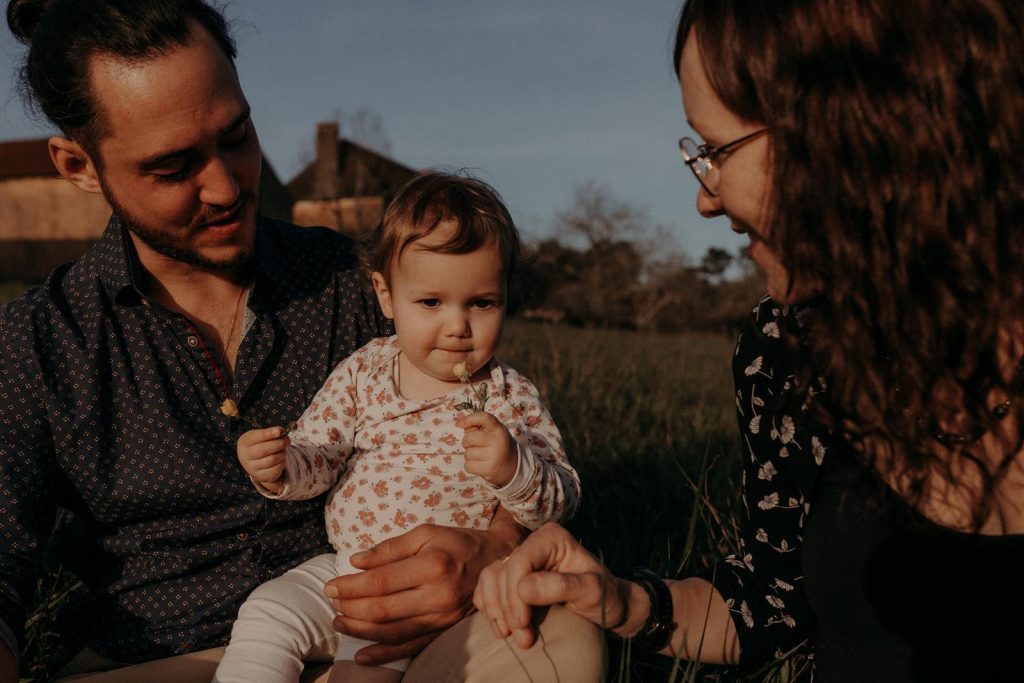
(434, 197)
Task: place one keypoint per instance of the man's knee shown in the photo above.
(568, 650)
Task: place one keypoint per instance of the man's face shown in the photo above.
(180, 160)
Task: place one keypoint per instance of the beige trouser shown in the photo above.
(568, 651)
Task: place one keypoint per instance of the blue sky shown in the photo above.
(535, 97)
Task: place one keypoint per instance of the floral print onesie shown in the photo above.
(392, 463)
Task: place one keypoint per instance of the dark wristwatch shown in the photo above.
(658, 628)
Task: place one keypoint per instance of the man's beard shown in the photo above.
(169, 245)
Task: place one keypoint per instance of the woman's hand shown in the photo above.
(549, 568)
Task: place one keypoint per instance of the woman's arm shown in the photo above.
(551, 567)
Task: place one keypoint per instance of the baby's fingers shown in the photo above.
(266, 469)
(478, 420)
(257, 436)
(263, 449)
(487, 599)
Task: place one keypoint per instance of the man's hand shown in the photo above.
(491, 452)
(416, 585)
(261, 454)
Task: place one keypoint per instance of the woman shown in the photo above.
(872, 152)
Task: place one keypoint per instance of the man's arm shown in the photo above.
(27, 499)
(416, 585)
(8, 665)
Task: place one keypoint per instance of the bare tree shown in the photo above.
(597, 216)
(365, 126)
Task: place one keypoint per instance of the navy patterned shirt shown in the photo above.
(114, 451)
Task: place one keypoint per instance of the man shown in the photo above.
(113, 373)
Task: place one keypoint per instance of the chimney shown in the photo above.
(325, 184)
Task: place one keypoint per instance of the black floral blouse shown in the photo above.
(763, 583)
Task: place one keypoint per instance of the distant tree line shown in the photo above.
(627, 275)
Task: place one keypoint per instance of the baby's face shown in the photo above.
(447, 308)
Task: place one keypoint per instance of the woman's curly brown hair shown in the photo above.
(897, 136)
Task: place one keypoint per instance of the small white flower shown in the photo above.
(754, 367)
(229, 408)
(783, 452)
(818, 449)
(783, 546)
(771, 330)
(757, 401)
(788, 429)
(782, 585)
(775, 602)
(761, 536)
(768, 502)
(461, 371)
(755, 424)
(788, 621)
(767, 471)
(744, 562)
(748, 616)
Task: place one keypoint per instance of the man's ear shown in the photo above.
(74, 163)
(380, 286)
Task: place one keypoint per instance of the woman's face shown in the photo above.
(744, 172)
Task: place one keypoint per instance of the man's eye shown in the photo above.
(172, 176)
(238, 135)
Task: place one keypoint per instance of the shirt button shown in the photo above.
(192, 341)
(242, 535)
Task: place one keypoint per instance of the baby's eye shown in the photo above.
(430, 303)
(484, 303)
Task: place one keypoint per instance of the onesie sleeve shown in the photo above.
(323, 437)
(762, 584)
(545, 487)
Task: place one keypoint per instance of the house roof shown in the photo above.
(361, 173)
(23, 158)
(31, 158)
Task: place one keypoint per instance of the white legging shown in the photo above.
(287, 621)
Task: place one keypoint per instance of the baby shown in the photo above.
(422, 427)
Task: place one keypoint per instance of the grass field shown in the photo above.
(644, 418)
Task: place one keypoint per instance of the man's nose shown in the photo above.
(708, 205)
(217, 184)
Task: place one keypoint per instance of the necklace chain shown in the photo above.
(227, 341)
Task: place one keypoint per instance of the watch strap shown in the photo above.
(657, 630)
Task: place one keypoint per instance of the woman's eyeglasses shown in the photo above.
(703, 160)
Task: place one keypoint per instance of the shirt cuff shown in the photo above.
(7, 638)
(267, 493)
(520, 487)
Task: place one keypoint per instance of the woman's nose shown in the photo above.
(708, 205)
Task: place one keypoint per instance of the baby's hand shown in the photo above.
(490, 450)
(261, 454)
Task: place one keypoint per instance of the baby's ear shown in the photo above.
(380, 286)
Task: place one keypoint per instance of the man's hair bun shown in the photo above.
(23, 17)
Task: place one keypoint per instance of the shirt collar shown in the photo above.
(122, 272)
